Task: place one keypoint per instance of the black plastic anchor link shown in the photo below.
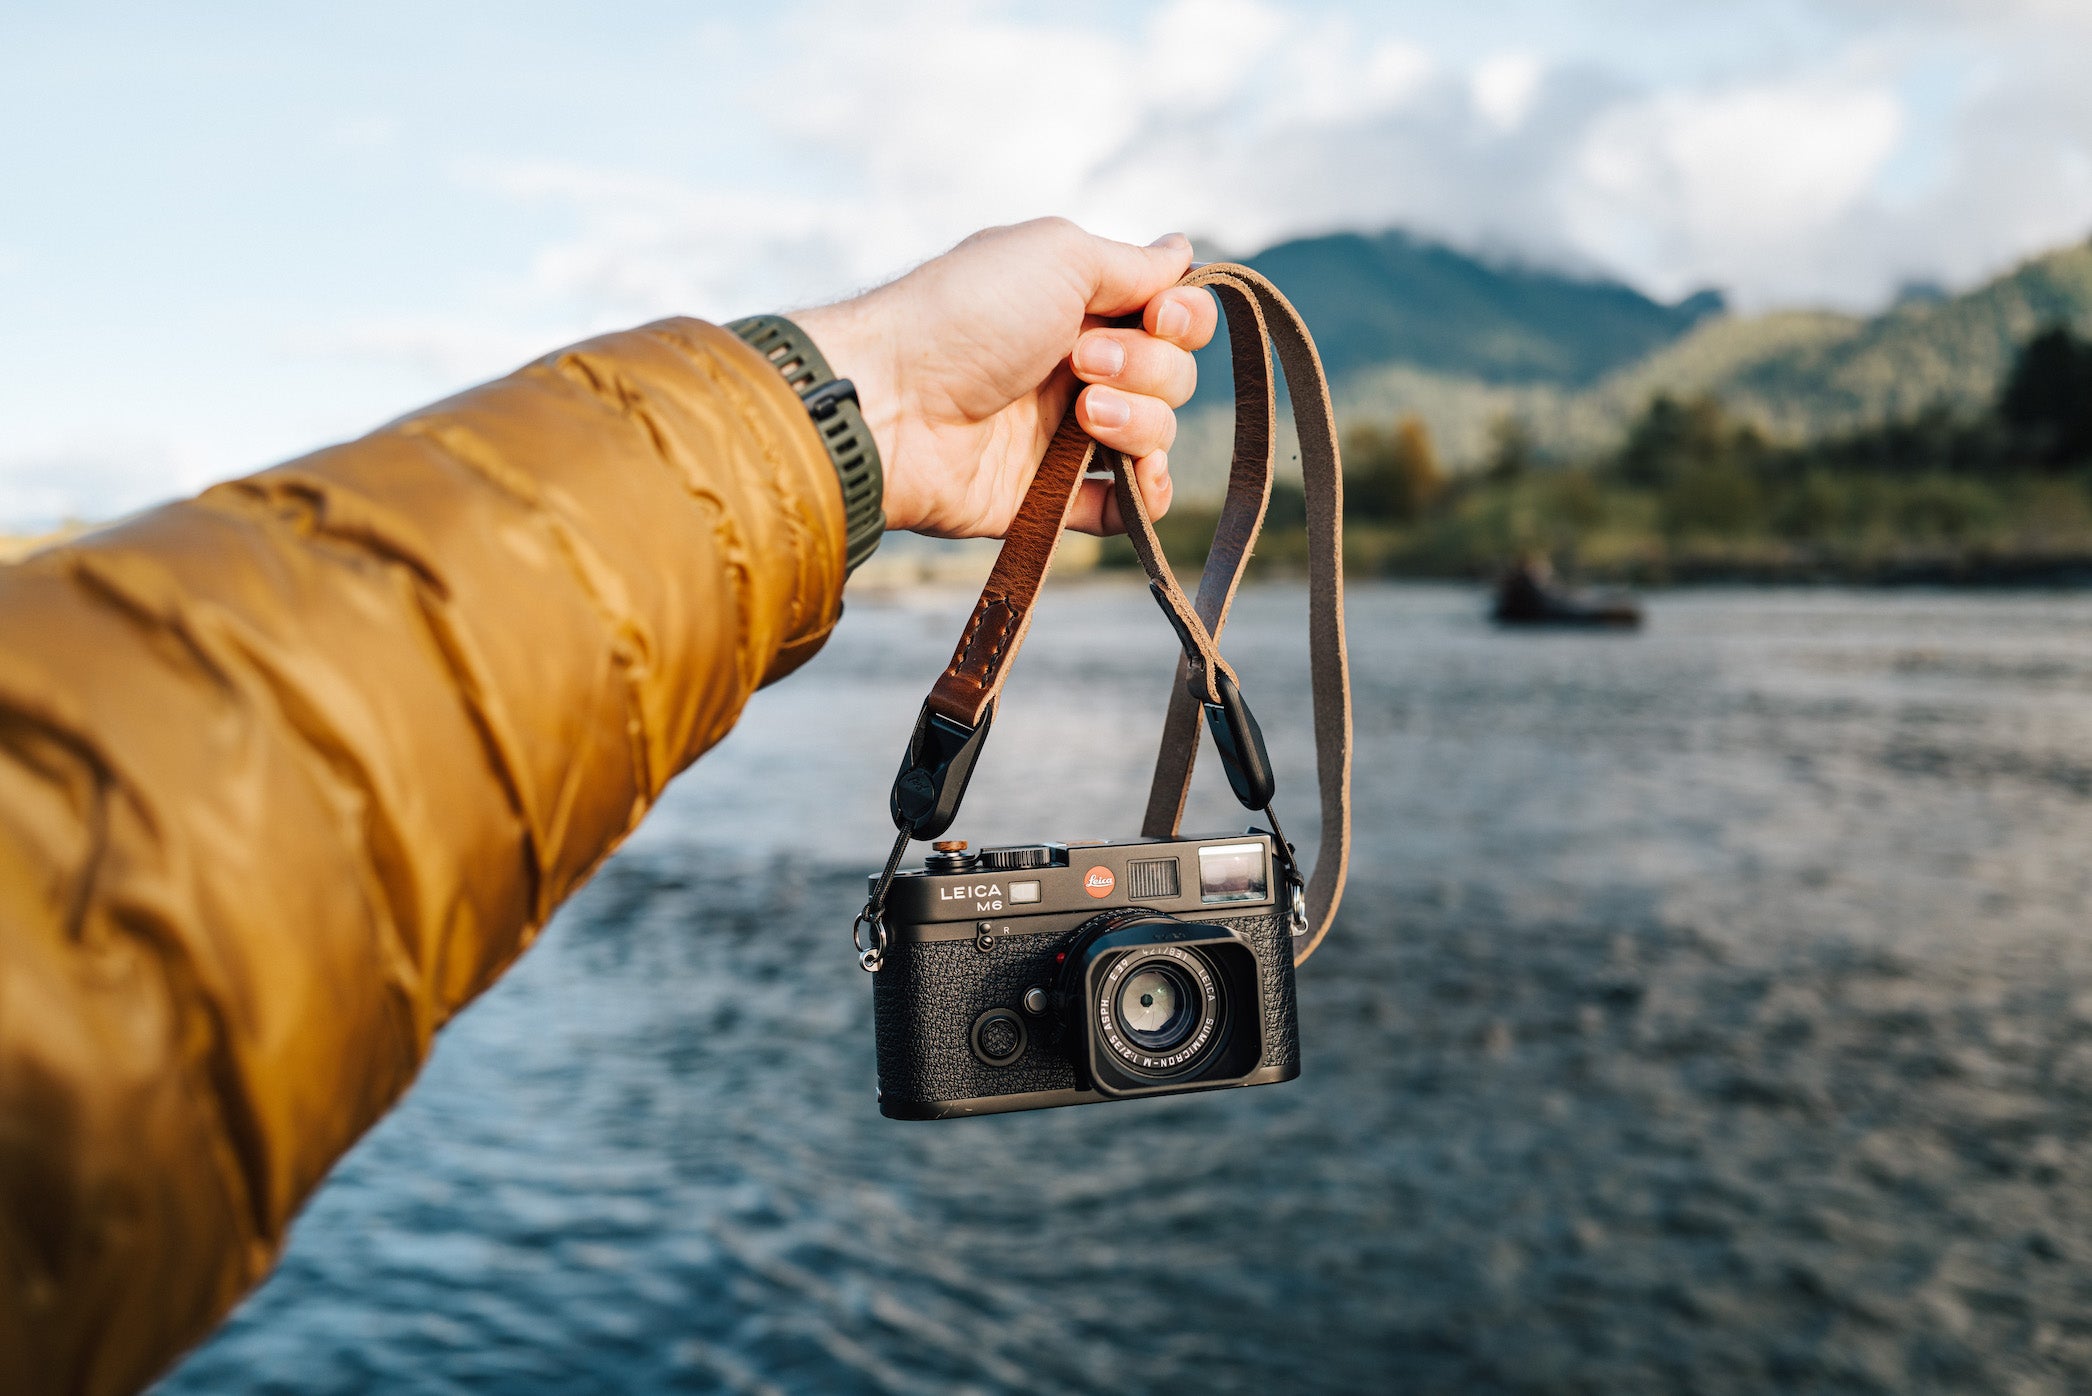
(1241, 745)
(933, 775)
(1234, 726)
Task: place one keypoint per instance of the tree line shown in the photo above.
(1693, 490)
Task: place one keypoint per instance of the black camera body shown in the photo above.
(1037, 975)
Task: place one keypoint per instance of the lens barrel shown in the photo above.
(1160, 1003)
(1159, 1010)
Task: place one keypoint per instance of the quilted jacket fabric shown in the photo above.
(291, 771)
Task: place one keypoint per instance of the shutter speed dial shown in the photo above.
(1024, 855)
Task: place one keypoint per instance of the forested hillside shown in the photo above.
(1390, 298)
(1801, 375)
(1506, 345)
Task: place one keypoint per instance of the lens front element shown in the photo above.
(1159, 1010)
(1155, 1007)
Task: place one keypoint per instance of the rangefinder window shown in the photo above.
(1232, 872)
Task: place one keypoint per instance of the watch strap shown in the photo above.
(838, 418)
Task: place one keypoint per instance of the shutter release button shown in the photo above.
(950, 856)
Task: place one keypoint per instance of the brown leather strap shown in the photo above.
(968, 685)
(1234, 535)
(965, 692)
(1256, 309)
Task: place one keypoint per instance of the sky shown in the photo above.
(231, 234)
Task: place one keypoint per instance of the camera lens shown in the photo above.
(1157, 1007)
(1159, 1010)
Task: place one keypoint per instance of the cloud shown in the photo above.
(1237, 118)
(46, 489)
(1505, 86)
(648, 245)
(445, 349)
(780, 157)
(1981, 13)
(2015, 173)
(1259, 123)
(1738, 185)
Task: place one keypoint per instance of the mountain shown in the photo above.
(1802, 375)
(1406, 326)
(1390, 298)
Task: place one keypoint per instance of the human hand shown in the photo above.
(965, 366)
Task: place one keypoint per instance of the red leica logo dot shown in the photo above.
(1098, 882)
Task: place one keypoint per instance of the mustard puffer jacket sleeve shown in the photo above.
(291, 771)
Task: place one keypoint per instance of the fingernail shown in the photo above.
(1100, 355)
(1107, 409)
(1168, 239)
(1173, 321)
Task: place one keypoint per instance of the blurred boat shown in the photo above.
(1529, 595)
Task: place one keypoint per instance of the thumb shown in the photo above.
(1123, 278)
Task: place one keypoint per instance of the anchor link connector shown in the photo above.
(1289, 874)
(868, 930)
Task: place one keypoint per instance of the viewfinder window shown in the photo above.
(1232, 872)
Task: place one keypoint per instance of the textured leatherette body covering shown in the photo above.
(924, 1001)
(291, 771)
(929, 993)
(1274, 945)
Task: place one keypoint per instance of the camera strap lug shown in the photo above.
(868, 931)
(1288, 874)
(924, 802)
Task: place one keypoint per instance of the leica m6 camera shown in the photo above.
(1025, 977)
(1035, 975)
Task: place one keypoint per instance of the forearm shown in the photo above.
(288, 773)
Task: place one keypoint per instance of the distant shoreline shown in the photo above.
(1972, 573)
(2063, 574)
(965, 566)
(16, 546)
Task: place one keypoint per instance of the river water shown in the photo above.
(1711, 1010)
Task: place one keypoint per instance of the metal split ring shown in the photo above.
(869, 957)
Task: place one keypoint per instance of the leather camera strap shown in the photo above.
(955, 718)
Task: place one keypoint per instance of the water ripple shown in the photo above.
(1711, 1011)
